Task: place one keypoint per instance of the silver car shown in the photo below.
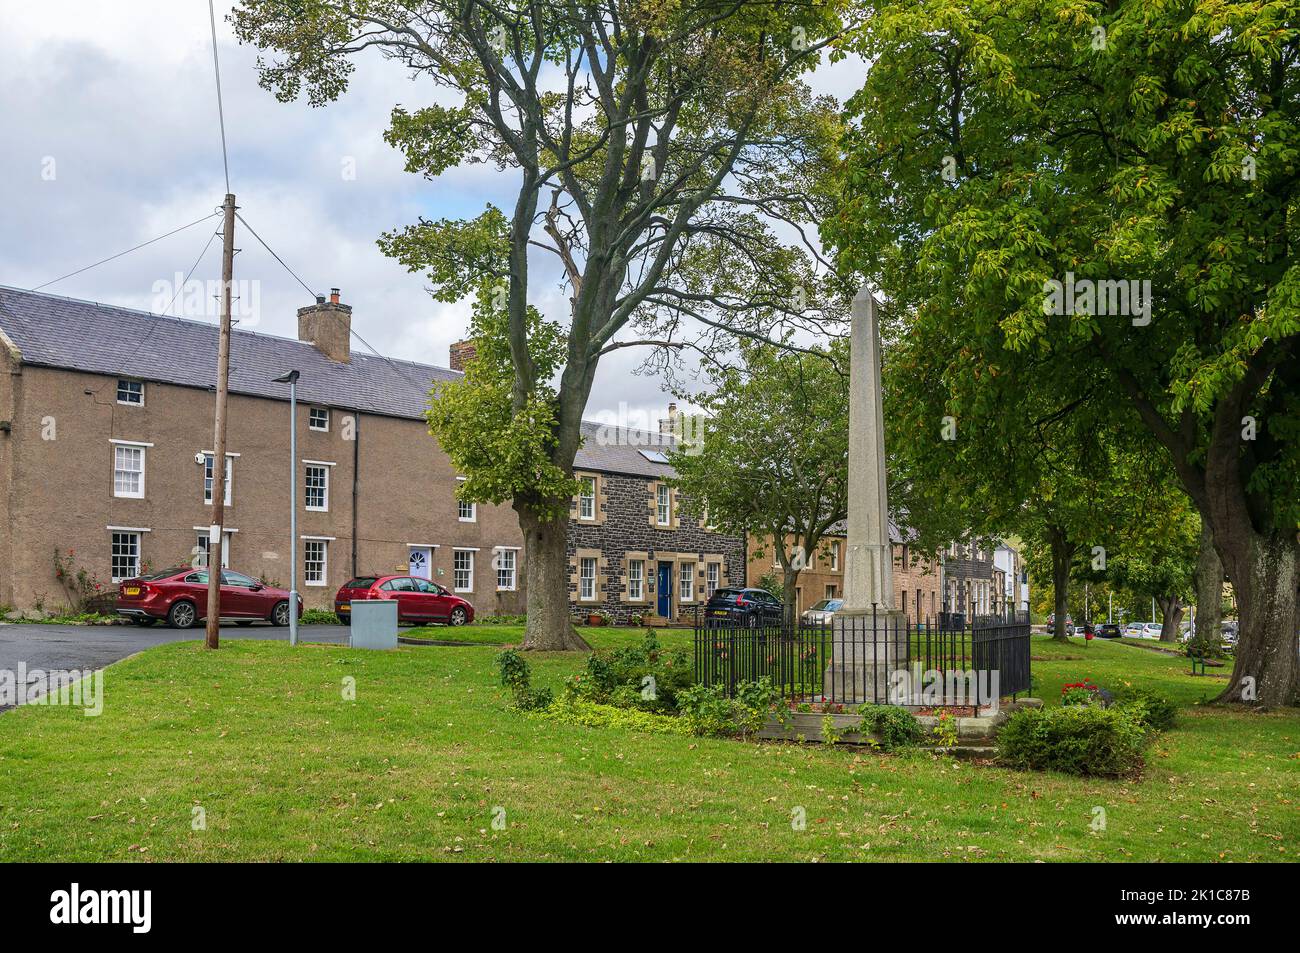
(822, 612)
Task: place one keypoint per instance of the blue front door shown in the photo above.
(665, 590)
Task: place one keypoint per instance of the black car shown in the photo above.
(750, 607)
(1109, 630)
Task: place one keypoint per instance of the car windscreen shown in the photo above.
(824, 604)
(361, 582)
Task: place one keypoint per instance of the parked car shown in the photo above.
(1135, 630)
(822, 612)
(1051, 625)
(418, 600)
(180, 596)
(1152, 629)
(1108, 630)
(751, 607)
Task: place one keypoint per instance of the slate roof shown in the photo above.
(58, 332)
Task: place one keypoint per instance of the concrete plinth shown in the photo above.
(866, 648)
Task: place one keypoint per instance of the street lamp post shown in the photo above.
(291, 378)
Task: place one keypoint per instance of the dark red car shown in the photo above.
(180, 596)
(418, 600)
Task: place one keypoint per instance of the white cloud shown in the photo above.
(121, 98)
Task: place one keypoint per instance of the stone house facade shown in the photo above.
(637, 547)
(106, 455)
(916, 576)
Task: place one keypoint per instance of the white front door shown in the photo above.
(421, 562)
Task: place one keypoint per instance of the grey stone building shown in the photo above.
(637, 547)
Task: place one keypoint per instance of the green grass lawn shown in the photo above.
(260, 737)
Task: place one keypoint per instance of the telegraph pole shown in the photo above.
(216, 535)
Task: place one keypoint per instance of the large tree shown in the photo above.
(1019, 168)
(773, 458)
(651, 145)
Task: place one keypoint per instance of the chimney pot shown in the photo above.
(334, 296)
(320, 299)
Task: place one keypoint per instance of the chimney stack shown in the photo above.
(327, 326)
(668, 425)
(462, 352)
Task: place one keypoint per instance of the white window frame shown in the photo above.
(125, 531)
(324, 466)
(503, 555)
(635, 580)
(587, 501)
(686, 582)
(311, 422)
(835, 555)
(129, 403)
(456, 555)
(144, 465)
(324, 542)
(712, 578)
(203, 540)
(463, 506)
(587, 583)
(230, 473)
(663, 505)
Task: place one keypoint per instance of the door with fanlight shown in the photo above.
(420, 562)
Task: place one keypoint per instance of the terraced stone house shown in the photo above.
(106, 459)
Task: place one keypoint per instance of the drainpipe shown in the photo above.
(356, 461)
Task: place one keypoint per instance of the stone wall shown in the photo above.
(625, 528)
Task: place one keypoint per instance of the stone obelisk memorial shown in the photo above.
(869, 637)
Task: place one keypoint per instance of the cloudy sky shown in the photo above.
(111, 132)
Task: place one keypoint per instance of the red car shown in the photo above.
(418, 600)
(180, 596)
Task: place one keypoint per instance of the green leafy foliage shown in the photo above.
(517, 676)
(708, 710)
(896, 727)
(1157, 711)
(642, 676)
(318, 617)
(589, 714)
(1076, 739)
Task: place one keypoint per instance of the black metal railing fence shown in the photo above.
(876, 657)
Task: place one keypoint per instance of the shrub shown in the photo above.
(318, 617)
(705, 709)
(1157, 712)
(635, 676)
(516, 676)
(897, 727)
(708, 711)
(1076, 739)
(595, 715)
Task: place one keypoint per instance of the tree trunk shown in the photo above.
(548, 626)
(1265, 571)
(1209, 590)
(1171, 617)
(789, 585)
(1061, 555)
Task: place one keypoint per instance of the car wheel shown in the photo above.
(753, 622)
(182, 615)
(144, 620)
(458, 616)
(280, 614)
(343, 620)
